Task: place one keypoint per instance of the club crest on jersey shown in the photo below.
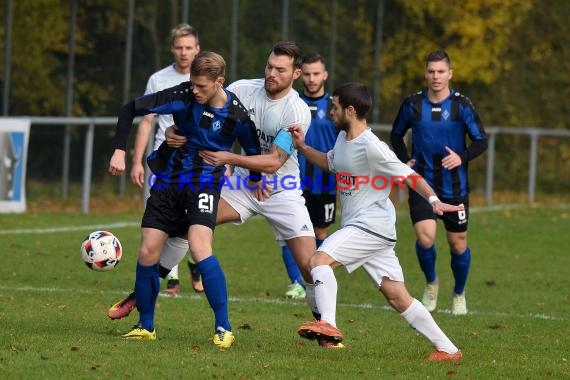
(321, 114)
(445, 115)
(251, 111)
(216, 125)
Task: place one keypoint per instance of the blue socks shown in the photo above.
(426, 257)
(147, 286)
(460, 267)
(460, 264)
(214, 281)
(291, 266)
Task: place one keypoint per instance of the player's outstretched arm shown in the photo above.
(440, 207)
(313, 155)
(416, 182)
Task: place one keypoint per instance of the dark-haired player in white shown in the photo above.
(368, 233)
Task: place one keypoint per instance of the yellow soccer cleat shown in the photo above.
(138, 332)
(223, 338)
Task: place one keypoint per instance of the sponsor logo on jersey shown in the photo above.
(208, 114)
(345, 179)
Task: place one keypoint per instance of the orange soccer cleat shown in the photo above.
(123, 308)
(318, 329)
(440, 356)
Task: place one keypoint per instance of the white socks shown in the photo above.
(420, 319)
(326, 287)
(173, 274)
(173, 252)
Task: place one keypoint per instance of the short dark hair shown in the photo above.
(312, 58)
(356, 95)
(438, 55)
(288, 48)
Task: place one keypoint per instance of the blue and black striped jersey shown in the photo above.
(320, 136)
(436, 126)
(205, 127)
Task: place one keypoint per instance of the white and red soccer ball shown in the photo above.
(101, 251)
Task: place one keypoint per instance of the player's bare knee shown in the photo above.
(148, 256)
(312, 262)
(426, 241)
(319, 258)
(458, 248)
(457, 243)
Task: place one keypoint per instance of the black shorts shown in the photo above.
(420, 209)
(174, 210)
(322, 208)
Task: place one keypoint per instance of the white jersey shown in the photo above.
(367, 206)
(162, 79)
(271, 116)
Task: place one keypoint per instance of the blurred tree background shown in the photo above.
(512, 57)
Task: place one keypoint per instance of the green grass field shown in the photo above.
(53, 323)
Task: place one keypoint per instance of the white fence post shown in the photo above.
(87, 167)
(532, 164)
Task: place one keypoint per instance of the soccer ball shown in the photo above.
(101, 251)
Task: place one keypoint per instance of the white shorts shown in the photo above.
(354, 248)
(285, 210)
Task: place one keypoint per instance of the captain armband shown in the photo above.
(284, 140)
